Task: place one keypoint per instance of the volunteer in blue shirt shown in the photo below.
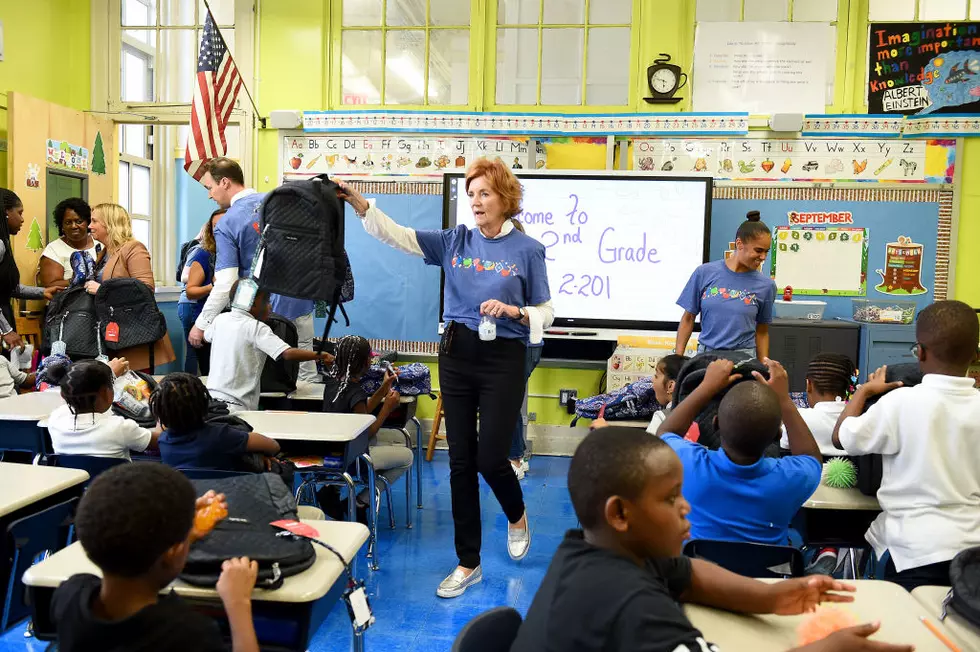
(732, 296)
(496, 270)
(236, 237)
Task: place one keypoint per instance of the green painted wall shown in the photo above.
(46, 55)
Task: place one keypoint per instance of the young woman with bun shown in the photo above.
(732, 296)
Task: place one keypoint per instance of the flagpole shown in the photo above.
(244, 85)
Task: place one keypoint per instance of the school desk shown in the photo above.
(312, 393)
(838, 517)
(26, 489)
(19, 416)
(285, 619)
(319, 434)
(961, 631)
(874, 600)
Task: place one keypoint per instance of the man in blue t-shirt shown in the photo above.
(236, 237)
(735, 492)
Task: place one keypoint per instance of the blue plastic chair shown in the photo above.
(92, 464)
(749, 559)
(491, 631)
(32, 538)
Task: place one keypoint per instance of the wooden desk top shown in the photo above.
(874, 600)
(308, 426)
(23, 484)
(312, 584)
(32, 406)
(961, 631)
(842, 499)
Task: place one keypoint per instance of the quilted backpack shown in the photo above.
(254, 501)
(280, 375)
(964, 580)
(634, 401)
(131, 306)
(414, 379)
(71, 318)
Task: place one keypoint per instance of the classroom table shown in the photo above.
(321, 434)
(888, 603)
(286, 617)
(26, 489)
(838, 517)
(313, 393)
(19, 416)
(961, 631)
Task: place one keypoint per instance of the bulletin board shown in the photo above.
(897, 221)
(828, 261)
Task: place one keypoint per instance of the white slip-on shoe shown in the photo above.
(518, 540)
(518, 470)
(457, 583)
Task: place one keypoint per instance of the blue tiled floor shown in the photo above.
(409, 615)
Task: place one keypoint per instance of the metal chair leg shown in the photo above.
(372, 511)
(386, 490)
(418, 463)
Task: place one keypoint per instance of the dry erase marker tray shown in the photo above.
(883, 311)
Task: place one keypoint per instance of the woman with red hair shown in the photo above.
(496, 270)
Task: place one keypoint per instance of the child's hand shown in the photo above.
(855, 639)
(237, 580)
(326, 358)
(876, 384)
(719, 375)
(392, 399)
(119, 366)
(778, 378)
(390, 377)
(802, 595)
(218, 510)
(598, 423)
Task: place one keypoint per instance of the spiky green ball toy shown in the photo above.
(840, 473)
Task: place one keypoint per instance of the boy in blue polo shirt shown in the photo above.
(735, 492)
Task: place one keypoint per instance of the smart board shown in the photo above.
(619, 248)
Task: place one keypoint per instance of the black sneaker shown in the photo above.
(824, 564)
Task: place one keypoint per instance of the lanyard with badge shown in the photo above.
(248, 287)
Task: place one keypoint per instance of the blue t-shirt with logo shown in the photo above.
(731, 304)
(510, 269)
(202, 257)
(754, 503)
(236, 236)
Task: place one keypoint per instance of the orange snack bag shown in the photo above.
(206, 518)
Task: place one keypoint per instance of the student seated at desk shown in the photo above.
(928, 438)
(85, 425)
(240, 344)
(664, 381)
(180, 402)
(135, 523)
(614, 586)
(12, 379)
(830, 379)
(342, 394)
(735, 492)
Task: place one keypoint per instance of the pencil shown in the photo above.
(942, 637)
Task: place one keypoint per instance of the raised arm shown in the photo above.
(377, 224)
(717, 377)
(801, 441)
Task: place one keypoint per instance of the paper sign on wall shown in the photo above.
(61, 153)
(761, 67)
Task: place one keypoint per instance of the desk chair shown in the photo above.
(491, 631)
(90, 463)
(434, 435)
(29, 330)
(749, 559)
(211, 474)
(33, 538)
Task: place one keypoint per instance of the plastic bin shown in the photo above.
(883, 311)
(799, 309)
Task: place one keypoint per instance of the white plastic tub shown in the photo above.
(799, 309)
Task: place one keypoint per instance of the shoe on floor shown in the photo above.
(525, 467)
(456, 584)
(518, 469)
(824, 564)
(519, 541)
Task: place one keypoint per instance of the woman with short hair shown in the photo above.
(494, 270)
(75, 253)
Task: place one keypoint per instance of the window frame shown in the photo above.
(970, 5)
(148, 163)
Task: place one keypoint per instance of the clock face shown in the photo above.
(664, 80)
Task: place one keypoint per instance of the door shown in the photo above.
(60, 186)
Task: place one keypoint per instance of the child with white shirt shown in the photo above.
(830, 379)
(12, 378)
(928, 438)
(85, 425)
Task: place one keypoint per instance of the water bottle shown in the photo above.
(488, 328)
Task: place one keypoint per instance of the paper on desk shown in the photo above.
(22, 359)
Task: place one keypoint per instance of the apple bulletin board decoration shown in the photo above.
(824, 261)
(903, 268)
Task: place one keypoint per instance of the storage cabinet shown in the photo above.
(794, 342)
(883, 344)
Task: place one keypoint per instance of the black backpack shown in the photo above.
(185, 250)
(71, 317)
(259, 499)
(130, 304)
(280, 375)
(964, 580)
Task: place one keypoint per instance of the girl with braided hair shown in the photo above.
(830, 380)
(342, 393)
(85, 425)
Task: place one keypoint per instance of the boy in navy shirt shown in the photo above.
(614, 586)
(736, 493)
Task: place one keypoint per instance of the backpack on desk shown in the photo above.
(964, 580)
(280, 375)
(259, 499)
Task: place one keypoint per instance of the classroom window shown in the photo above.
(563, 52)
(799, 11)
(136, 177)
(925, 10)
(405, 52)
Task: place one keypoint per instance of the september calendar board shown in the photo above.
(619, 249)
(820, 260)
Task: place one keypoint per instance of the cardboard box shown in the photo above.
(636, 358)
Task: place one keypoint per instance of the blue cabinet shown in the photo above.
(885, 344)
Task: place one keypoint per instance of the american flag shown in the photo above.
(218, 83)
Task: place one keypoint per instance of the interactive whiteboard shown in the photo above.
(619, 249)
